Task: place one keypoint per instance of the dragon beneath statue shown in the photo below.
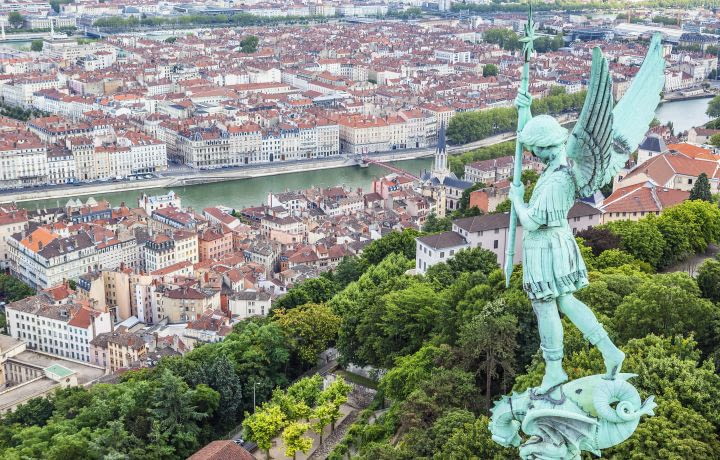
(588, 414)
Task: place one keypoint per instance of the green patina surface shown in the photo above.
(561, 419)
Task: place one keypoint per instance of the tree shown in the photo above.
(171, 40)
(713, 108)
(336, 394)
(12, 289)
(398, 242)
(488, 344)
(249, 44)
(473, 260)
(15, 20)
(715, 140)
(668, 304)
(307, 390)
(294, 439)
(397, 323)
(616, 258)
(310, 329)
(490, 70)
(701, 189)
(641, 239)
(433, 224)
(700, 221)
(353, 303)
(34, 412)
(599, 239)
(315, 290)
(348, 270)
(677, 235)
(264, 425)
(323, 415)
(473, 440)
(464, 202)
(175, 415)
(407, 373)
(36, 45)
(708, 279)
(505, 38)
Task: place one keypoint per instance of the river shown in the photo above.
(253, 191)
(684, 114)
(249, 192)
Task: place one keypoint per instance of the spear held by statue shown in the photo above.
(523, 117)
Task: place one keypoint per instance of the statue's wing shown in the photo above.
(590, 144)
(604, 136)
(558, 426)
(636, 110)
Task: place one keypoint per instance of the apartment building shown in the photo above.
(117, 349)
(183, 304)
(244, 304)
(168, 248)
(42, 259)
(214, 243)
(60, 328)
(12, 221)
(490, 172)
(23, 161)
(153, 203)
(19, 91)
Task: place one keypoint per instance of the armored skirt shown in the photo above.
(552, 264)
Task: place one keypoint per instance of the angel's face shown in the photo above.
(546, 154)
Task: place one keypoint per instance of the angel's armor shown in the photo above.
(552, 264)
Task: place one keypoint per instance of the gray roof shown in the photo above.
(251, 295)
(483, 223)
(452, 181)
(653, 143)
(502, 220)
(582, 209)
(443, 240)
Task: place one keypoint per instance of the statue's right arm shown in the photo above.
(523, 215)
(521, 208)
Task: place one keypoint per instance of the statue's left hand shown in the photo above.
(517, 193)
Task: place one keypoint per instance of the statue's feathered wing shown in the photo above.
(605, 134)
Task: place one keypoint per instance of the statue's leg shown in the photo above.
(551, 343)
(594, 332)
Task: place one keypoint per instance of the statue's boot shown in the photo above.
(554, 373)
(611, 354)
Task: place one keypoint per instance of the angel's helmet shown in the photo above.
(543, 135)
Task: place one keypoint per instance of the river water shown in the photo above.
(684, 114)
(253, 191)
(249, 192)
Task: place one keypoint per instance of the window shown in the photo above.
(689, 181)
(442, 254)
(495, 244)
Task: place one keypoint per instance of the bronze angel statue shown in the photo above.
(577, 165)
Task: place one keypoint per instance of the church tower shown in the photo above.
(440, 167)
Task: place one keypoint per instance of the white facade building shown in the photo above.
(433, 249)
(62, 329)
